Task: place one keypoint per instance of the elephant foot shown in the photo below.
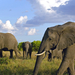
(1, 54)
(10, 57)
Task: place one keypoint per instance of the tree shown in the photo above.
(36, 45)
(20, 46)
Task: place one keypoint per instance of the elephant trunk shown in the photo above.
(37, 65)
(39, 58)
(26, 53)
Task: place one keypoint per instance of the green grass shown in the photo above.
(20, 66)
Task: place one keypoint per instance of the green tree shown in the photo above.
(20, 46)
(36, 45)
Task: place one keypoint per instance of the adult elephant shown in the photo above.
(61, 37)
(27, 49)
(55, 54)
(8, 42)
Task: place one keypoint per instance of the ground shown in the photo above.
(20, 66)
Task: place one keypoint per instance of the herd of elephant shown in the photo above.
(8, 42)
(58, 41)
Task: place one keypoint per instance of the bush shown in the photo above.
(36, 45)
(4, 60)
(20, 46)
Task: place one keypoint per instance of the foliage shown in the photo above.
(36, 45)
(20, 46)
(4, 60)
(22, 66)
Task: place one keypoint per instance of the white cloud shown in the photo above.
(0, 22)
(7, 27)
(52, 3)
(51, 11)
(48, 4)
(26, 28)
(10, 31)
(22, 20)
(32, 31)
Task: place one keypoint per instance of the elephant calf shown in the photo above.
(55, 53)
(27, 49)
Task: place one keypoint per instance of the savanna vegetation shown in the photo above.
(35, 44)
(20, 66)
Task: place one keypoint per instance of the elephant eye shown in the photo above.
(49, 38)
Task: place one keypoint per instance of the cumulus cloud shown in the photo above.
(7, 26)
(32, 31)
(26, 28)
(20, 21)
(51, 11)
(48, 4)
(0, 22)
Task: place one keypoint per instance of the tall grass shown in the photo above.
(20, 66)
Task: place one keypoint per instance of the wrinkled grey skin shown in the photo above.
(55, 53)
(8, 43)
(61, 37)
(27, 49)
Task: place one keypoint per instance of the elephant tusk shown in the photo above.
(40, 53)
(45, 54)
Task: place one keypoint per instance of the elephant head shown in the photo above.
(57, 37)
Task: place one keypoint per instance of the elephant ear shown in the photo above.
(67, 38)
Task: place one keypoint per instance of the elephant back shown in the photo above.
(8, 41)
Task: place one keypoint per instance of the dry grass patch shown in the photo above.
(20, 66)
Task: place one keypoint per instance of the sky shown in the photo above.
(27, 20)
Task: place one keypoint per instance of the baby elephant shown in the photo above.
(55, 53)
(27, 49)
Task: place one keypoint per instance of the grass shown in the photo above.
(20, 66)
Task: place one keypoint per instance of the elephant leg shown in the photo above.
(30, 55)
(71, 68)
(11, 53)
(64, 65)
(23, 54)
(1, 53)
(27, 55)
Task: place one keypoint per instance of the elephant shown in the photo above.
(60, 37)
(27, 49)
(8, 42)
(54, 53)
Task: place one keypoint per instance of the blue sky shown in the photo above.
(27, 20)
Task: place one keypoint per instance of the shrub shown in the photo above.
(20, 46)
(36, 45)
(4, 60)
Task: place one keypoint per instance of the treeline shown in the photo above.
(35, 45)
